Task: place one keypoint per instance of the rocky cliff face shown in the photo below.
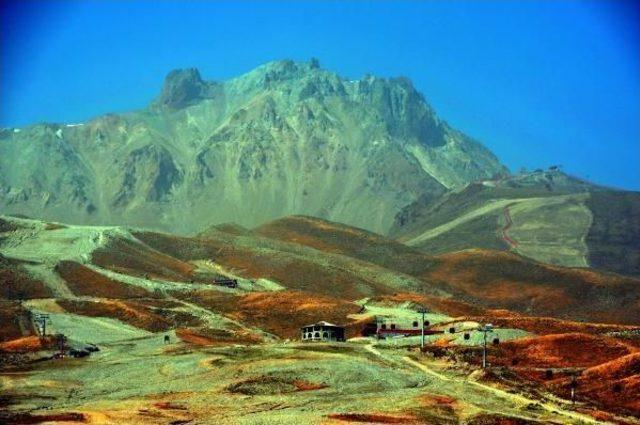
(286, 138)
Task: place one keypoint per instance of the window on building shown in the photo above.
(317, 335)
(393, 326)
(384, 326)
(426, 323)
(415, 324)
(325, 335)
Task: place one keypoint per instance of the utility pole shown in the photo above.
(42, 319)
(423, 311)
(61, 341)
(485, 329)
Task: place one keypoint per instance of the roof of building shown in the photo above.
(323, 323)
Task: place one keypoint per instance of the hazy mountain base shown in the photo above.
(286, 138)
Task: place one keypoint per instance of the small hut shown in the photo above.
(322, 331)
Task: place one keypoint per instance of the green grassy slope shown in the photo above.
(614, 236)
(547, 216)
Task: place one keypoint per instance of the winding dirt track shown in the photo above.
(517, 399)
(508, 223)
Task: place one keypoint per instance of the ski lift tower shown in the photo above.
(422, 310)
(573, 385)
(485, 329)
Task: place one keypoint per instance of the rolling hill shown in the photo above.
(303, 254)
(480, 277)
(124, 290)
(545, 215)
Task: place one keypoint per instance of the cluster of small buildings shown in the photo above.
(325, 331)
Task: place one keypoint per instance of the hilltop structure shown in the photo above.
(322, 331)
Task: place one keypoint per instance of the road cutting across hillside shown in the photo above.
(517, 399)
(507, 225)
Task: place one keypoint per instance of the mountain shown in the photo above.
(286, 138)
(546, 215)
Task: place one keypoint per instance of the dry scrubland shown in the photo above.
(233, 355)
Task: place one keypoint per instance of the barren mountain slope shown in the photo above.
(285, 138)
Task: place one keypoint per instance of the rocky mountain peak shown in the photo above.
(287, 71)
(184, 86)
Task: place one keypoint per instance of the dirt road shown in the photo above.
(508, 223)
(518, 400)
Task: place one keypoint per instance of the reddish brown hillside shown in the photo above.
(263, 259)
(545, 325)
(488, 279)
(17, 284)
(339, 238)
(562, 350)
(27, 344)
(497, 279)
(15, 320)
(141, 314)
(130, 257)
(281, 313)
(84, 281)
(206, 336)
(615, 383)
(610, 378)
(485, 279)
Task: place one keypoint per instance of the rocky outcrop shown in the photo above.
(183, 87)
(149, 174)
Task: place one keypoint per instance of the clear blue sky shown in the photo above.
(538, 82)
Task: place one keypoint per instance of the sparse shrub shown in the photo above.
(436, 352)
